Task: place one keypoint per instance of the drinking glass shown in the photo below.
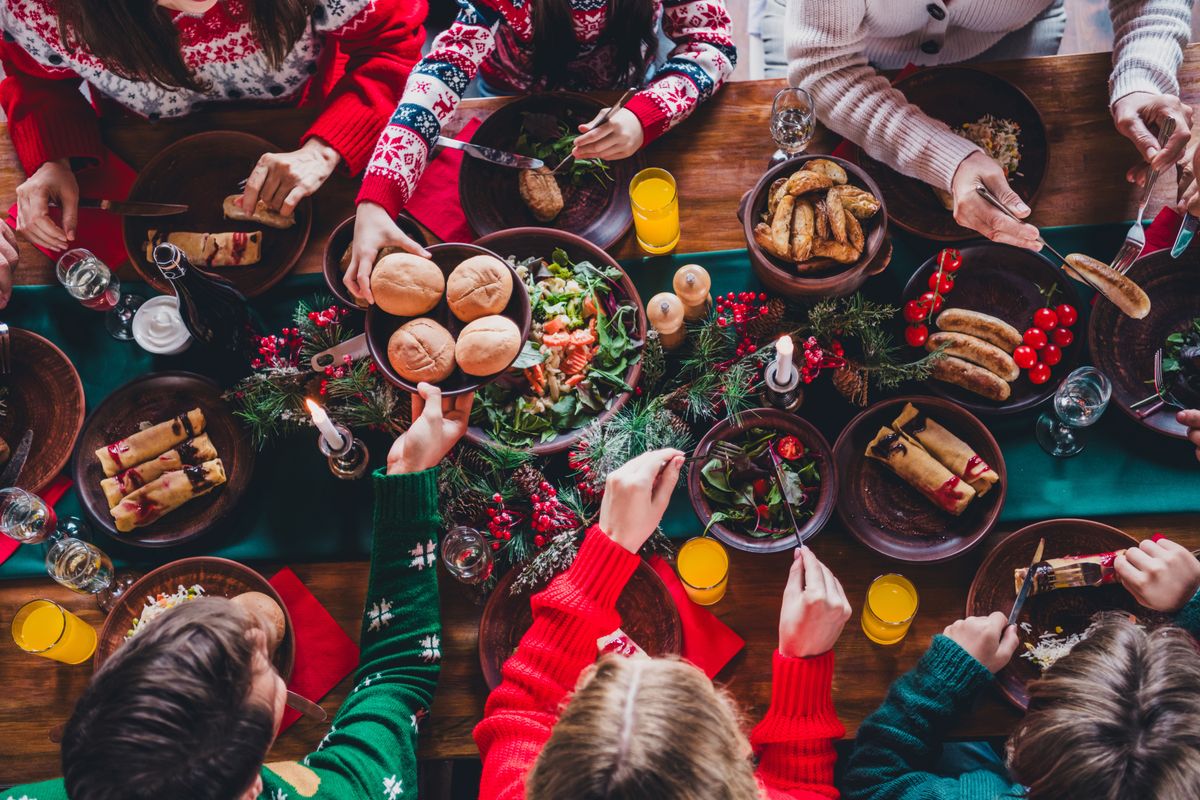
(1078, 403)
(655, 202)
(44, 628)
(703, 568)
(890, 608)
(467, 555)
(793, 123)
(92, 283)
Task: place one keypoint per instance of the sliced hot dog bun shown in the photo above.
(983, 326)
(977, 351)
(1121, 291)
(971, 377)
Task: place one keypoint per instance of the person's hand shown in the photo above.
(53, 182)
(618, 138)
(1190, 419)
(990, 640)
(814, 609)
(1133, 115)
(1189, 201)
(8, 262)
(1160, 574)
(972, 211)
(374, 229)
(282, 180)
(636, 496)
(437, 425)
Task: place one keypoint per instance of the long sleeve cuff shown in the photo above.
(37, 143)
(1128, 79)
(409, 498)
(951, 669)
(1188, 617)
(601, 569)
(654, 118)
(937, 162)
(802, 690)
(381, 191)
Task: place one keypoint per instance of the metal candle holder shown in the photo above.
(350, 462)
(786, 397)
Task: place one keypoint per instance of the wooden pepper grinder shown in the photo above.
(665, 312)
(692, 285)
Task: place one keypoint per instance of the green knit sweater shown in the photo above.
(370, 749)
(899, 746)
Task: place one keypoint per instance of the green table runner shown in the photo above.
(295, 510)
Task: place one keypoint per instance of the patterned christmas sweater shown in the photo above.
(369, 752)
(494, 38)
(352, 60)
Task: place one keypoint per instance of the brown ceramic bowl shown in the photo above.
(522, 243)
(492, 202)
(889, 516)
(1123, 348)
(784, 423)
(339, 241)
(1002, 281)
(154, 398)
(1070, 609)
(381, 325)
(219, 577)
(201, 171)
(779, 275)
(648, 617)
(46, 397)
(957, 95)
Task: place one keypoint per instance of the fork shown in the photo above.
(614, 108)
(722, 450)
(5, 349)
(1135, 239)
(1161, 395)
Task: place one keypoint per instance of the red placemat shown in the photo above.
(707, 642)
(1161, 233)
(436, 203)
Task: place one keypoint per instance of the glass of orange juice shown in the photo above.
(655, 210)
(44, 628)
(889, 610)
(703, 567)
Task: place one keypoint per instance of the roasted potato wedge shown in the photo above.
(823, 166)
(806, 181)
(839, 252)
(778, 190)
(820, 220)
(855, 234)
(781, 224)
(858, 202)
(763, 238)
(802, 230)
(837, 216)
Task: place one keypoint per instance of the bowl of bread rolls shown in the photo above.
(815, 226)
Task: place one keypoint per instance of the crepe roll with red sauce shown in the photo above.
(954, 454)
(921, 471)
(166, 493)
(1069, 572)
(150, 442)
(193, 451)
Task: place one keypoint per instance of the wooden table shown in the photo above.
(716, 156)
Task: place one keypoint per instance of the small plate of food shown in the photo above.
(162, 460)
(337, 255)
(1072, 583)
(922, 479)
(188, 579)
(254, 249)
(588, 197)
(740, 500)
(649, 622)
(984, 109)
(1004, 321)
(583, 357)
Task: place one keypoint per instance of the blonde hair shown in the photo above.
(637, 729)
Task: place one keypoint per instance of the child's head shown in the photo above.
(645, 728)
(188, 708)
(1116, 719)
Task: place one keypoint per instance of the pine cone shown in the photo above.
(654, 362)
(851, 380)
(529, 480)
(472, 460)
(466, 508)
(677, 401)
(768, 323)
(677, 424)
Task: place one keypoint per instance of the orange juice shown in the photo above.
(703, 567)
(655, 210)
(889, 610)
(45, 628)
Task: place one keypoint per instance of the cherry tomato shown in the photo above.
(1045, 318)
(943, 285)
(1039, 373)
(930, 299)
(916, 335)
(1025, 356)
(761, 487)
(1067, 315)
(1051, 354)
(1063, 337)
(949, 260)
(789, 448)
(913, 311)
(1036, 338)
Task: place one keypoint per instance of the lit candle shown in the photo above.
(692, 285)
(665, 312)
(328, 432)
(783, 360)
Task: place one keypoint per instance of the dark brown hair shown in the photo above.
(137, 40)
(170, 714)
(629, 29)
(1116, 719)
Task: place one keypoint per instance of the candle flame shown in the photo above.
(315, 409)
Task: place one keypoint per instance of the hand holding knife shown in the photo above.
(1027, 584)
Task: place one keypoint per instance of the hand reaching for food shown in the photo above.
(438, 424)
(814, 609)
(1136, 111)
(618, 138)
(374, 229)
(636, 496)
(1191, 419)
(972, 211)
(989, 640)
(282, 180)
(54, 182)
(1160, 574)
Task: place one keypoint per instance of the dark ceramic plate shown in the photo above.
(1069, 609)
(889, 516)
(957, 95)
(490, 197)
(785, 423)
(200, 171)
(1123, 348)
(154, 398)
(339, 242)
(648, 617)
(1002, 281)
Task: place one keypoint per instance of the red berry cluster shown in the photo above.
(587, 484)
(918, 313)
(334, 371)
(549, 517)
(740, 309)
(279, 351)
(817, 358)
(328, 316)
(502, 521)
(1045, 341)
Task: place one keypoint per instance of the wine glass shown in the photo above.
(793, 123)
(466, 554)
(92, 283)
(1078, 403)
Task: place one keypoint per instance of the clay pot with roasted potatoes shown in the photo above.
(815, 226)
(336, 259)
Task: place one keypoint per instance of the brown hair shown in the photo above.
(138, 40)
(1116, 719)
(637, 729)
(170, 714)
(629, 29)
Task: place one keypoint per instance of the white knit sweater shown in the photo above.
(832, 43)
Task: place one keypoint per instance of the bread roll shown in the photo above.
(487, 345)
(422, 350)
(479, 286)
(407, 285)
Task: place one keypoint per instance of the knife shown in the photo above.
(786, 502)
(306, 707)
(1186, 231)
(133, 209)
(12, 470)
(491, 154)
(355, 347)
(1027, 584)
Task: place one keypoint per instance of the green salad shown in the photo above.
(550, 139)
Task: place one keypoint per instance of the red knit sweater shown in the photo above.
(793, 743)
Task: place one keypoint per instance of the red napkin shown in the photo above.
(51, 494)
(847, 149)
(324, 652)
(98, 231)
(436, 204)
(1161, 233)
(707, 642)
